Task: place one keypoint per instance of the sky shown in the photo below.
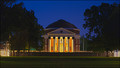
(48, 12)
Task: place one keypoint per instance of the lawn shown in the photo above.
(59, 62)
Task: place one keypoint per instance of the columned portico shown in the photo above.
(62, 36)
(61, 44)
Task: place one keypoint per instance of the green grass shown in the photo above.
(59, 62)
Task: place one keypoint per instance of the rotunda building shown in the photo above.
(62, 36)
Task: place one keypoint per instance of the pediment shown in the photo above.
(61, 31)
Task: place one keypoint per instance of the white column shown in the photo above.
(63, 45)
(53, 44)
(68, 44)
(55, 40)
(58, 44)
(72, 45)
(50, 44)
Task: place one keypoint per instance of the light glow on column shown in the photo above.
(4, 52)
(56, 44)
(61, 44)
(50, 45)
(52, 40)
(66, 44)
(70, 44)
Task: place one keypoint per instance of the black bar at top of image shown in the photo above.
(68, 0)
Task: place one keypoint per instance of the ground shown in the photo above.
(59, 62)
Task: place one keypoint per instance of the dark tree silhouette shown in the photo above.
(19, 26)
(103, 25)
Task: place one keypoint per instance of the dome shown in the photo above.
(61, 24)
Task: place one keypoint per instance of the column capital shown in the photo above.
(63, 37)
(69, 37)
(51, 36)
(54, 37)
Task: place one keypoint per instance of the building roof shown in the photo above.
(61, 24)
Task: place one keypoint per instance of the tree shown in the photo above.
(20, 26)
(103, 25)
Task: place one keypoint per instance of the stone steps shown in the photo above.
(54, 54)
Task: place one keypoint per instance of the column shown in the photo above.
(58, 44)
(64, 44)
(68, 44)
(61, 44)
(72, 45)
(52, 40)
(50, 44)
(53, 44)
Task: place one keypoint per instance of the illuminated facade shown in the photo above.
(62, 36)
(4, 49)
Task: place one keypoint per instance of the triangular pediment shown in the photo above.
(61, 31)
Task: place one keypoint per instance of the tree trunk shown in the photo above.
(24, 52)
(107, 53)
(18, 51)
(13, 53)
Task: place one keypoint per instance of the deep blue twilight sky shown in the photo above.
(48, 12)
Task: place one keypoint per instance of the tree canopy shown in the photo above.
(20, 26)
(103, 25)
